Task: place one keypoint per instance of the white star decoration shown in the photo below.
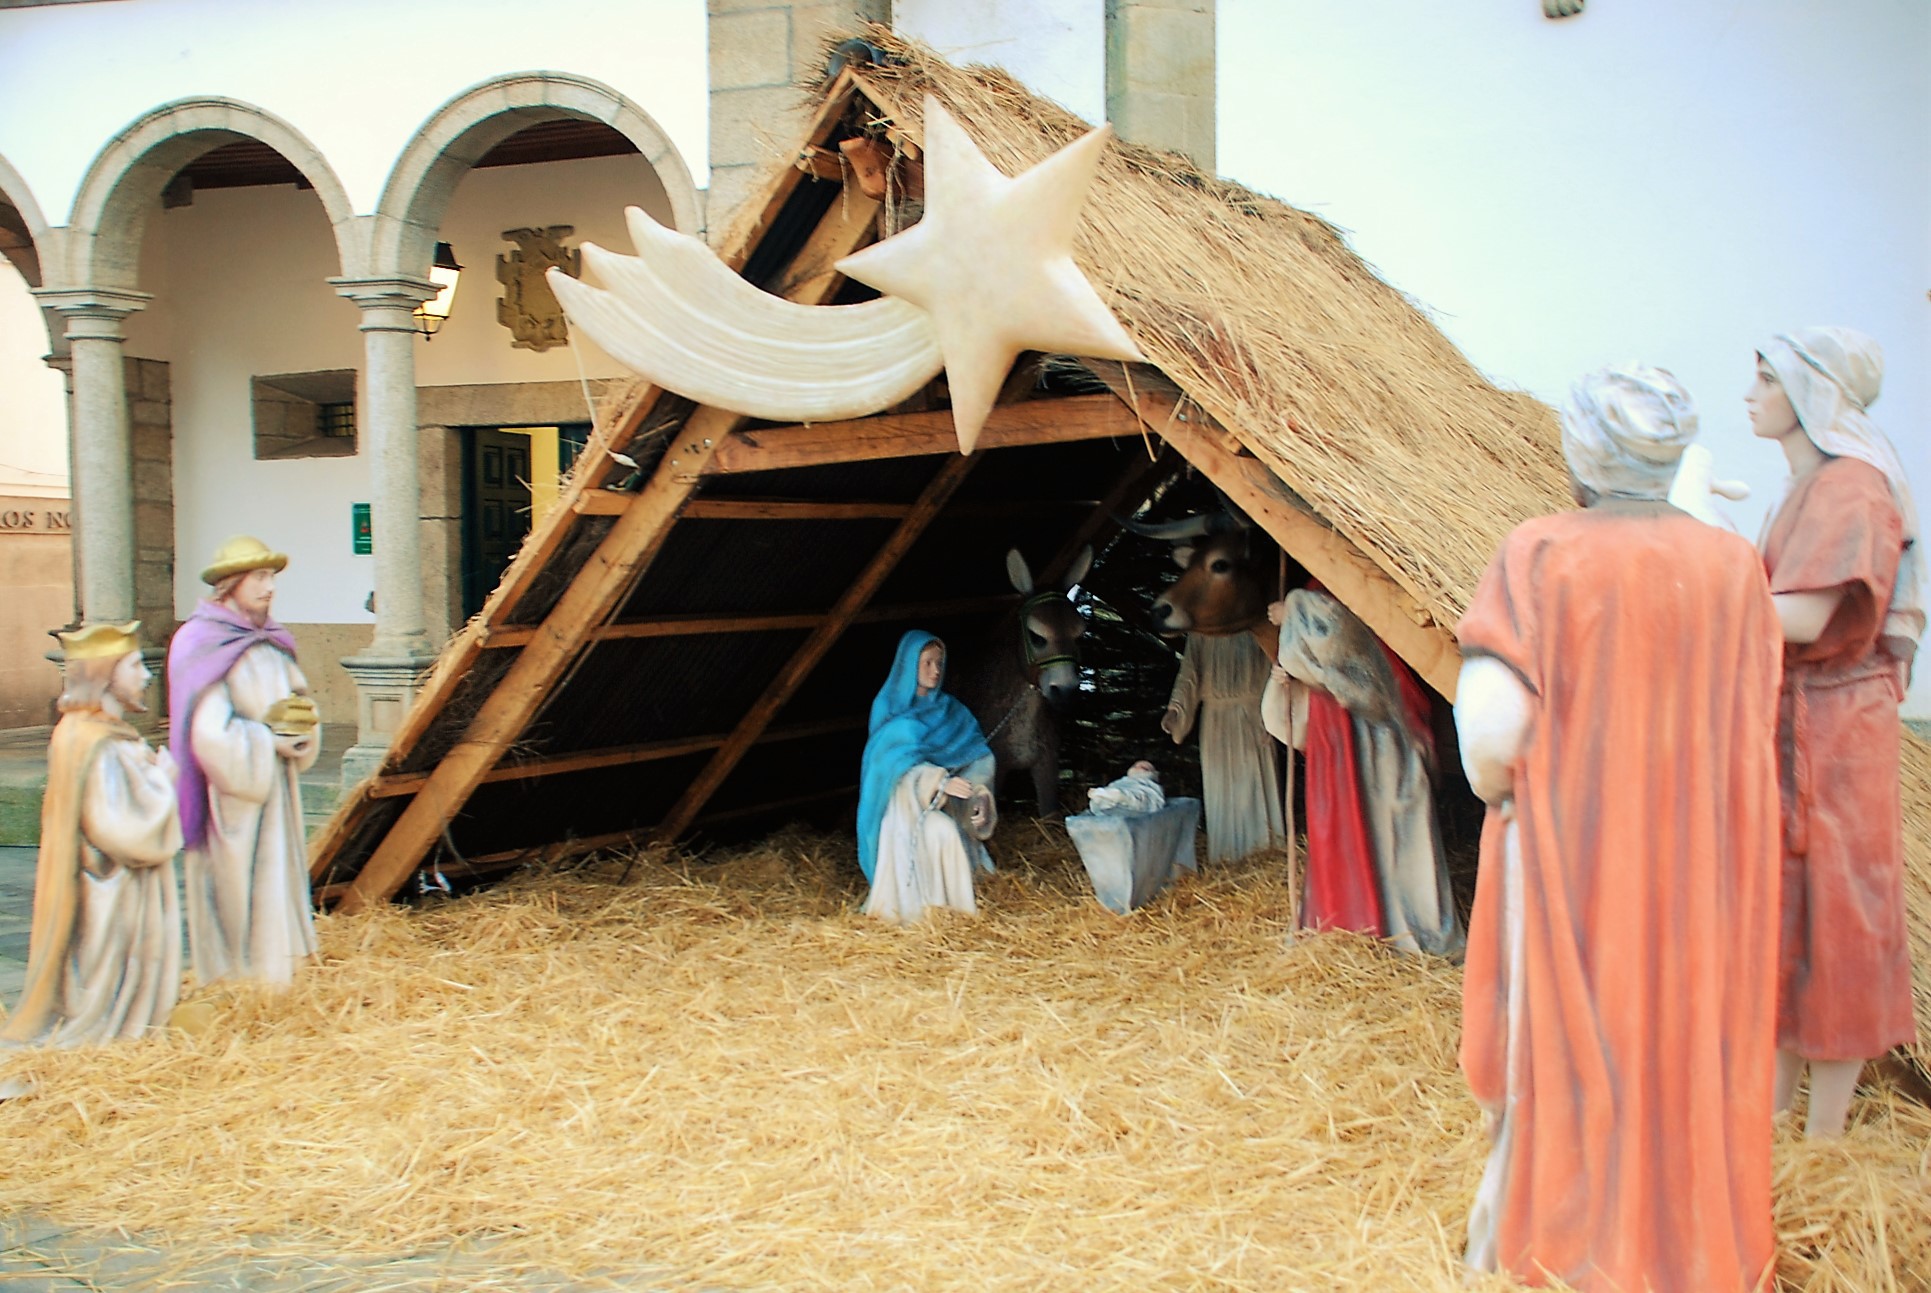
(992, 263)
(986, 274)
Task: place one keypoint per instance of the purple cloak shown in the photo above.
(204, 649)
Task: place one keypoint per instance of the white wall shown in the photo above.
(33, 398)
(239, 290)
(1057, 47)
(589, 195)
(356, 77)
(1655, 180)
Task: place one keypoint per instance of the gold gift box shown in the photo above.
(292, 716)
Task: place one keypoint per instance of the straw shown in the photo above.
(727, 1075)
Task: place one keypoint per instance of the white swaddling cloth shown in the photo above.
(1139, 791)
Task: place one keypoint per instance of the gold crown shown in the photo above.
(101, 641)
(242, 553)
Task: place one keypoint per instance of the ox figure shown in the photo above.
(1018, 679)
(1220, 604)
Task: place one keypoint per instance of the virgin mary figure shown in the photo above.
(923, 803)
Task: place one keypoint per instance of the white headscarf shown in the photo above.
(1625, 428)
(1832, 375)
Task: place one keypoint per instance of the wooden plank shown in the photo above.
(749, 222)
(407, 783)
(773, 509)
(1385, 606)
(776, 805)
(911, 435)
(799, 667)
(458, 655)
(594, 594)
(665, 626)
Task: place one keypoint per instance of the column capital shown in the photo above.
(92, 312)
(388, 301)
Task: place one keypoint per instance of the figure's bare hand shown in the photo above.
(1175, 724)
(958, 787)
(295, 747)
(1277, 612)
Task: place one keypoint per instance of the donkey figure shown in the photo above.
(1018, 677)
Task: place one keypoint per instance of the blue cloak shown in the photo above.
(906, 730)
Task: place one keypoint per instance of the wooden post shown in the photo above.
(594, 593)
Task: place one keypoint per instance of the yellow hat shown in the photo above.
(242, 553)
(101, 641)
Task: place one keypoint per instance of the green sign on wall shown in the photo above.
(361, 534)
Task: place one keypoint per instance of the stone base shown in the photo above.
(385, 686)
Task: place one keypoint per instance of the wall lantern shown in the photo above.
(444, 273)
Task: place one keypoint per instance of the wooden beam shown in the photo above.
(592, 597)
(772, 509)
(799, 667)
(1385, 606)
(911, 435)
(407, 783)
(665, 626)
(1129, 489)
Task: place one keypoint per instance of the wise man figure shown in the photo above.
(1617, 708)
(243, 730)
(105, 957)
(1841, 549)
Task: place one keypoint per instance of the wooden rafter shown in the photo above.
(799, 667)
(1128, 490)
(1385, 606)
(592, 597)
(911, 435)
(665, 626)
(407, 783)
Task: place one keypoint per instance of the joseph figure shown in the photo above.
(1617, 708)
(244, 730)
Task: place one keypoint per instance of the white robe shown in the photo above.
(123, 967)
(926, 850)
(1223, 677)
(247, 885)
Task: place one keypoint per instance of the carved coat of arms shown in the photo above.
(529, 309)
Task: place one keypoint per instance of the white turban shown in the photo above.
(1832, 375)
(1624, 429)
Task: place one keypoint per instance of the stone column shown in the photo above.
(1160, 75)
(762, 53)
(386, 673)
(100, 448)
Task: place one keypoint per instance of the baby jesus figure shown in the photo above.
(1139, 791)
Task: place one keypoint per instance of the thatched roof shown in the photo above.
(1261, 314)
(597, 688)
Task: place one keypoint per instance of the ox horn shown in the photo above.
(1187, 527)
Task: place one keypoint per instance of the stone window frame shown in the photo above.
(289, 417)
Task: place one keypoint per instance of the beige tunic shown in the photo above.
(247, 886)
(1222, 678)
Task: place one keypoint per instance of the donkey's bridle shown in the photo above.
(1035, 665)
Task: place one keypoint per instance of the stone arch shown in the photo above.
(123, 185)
(461, 131)
(23, 230)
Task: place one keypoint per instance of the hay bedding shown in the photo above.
(726, 1073)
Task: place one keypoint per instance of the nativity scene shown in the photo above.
(789, 751)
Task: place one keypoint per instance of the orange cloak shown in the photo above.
(1845, 972)
(1634, 1102)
